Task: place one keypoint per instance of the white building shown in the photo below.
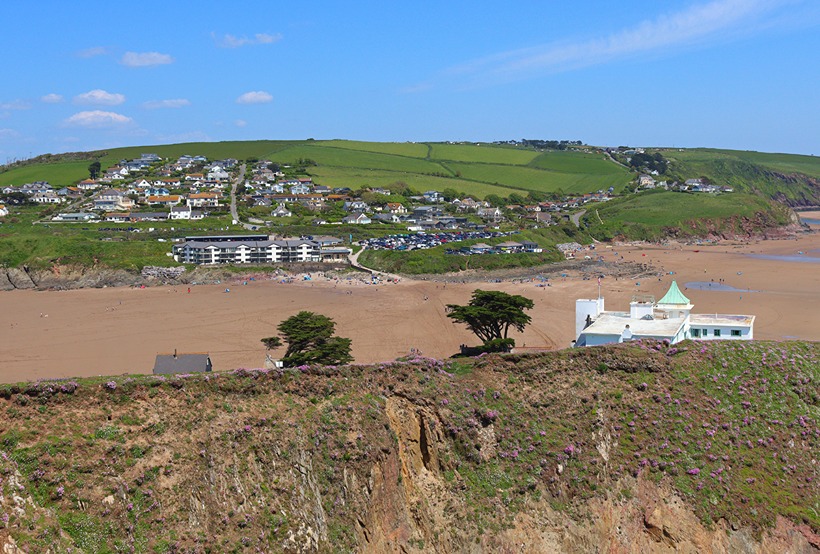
(245, 249)
(668, 319)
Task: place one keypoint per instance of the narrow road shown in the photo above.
(234, 213)
(576, 217)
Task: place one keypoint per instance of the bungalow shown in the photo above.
(300, 189)
(357, 219)
(170, 200)
(281, 211)
(491, 214)
(148, 216)
(113, 200)
(69, 192)
(356, 206)
(389, 218)
(530, 246)
(509, 247)
(396, 208)
(218, 174)
(170, 182)
(117, 217)
(195, 177)
(156, 191)
(169, 364)
(185, 212)
(203, 199)
(36, 187)
(48, 197)
(321, 189)
(142, 183)
(480, 248)
(78, 216)
(88, 184)
(433, 196)
(646, 181)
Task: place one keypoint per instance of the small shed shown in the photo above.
(167, 364)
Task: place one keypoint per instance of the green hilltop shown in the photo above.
(466, 168)
(470, 168)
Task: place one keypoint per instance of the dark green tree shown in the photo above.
(490, 314)
(94, 169)
(310, 340)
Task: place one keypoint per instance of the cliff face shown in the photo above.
(578, 451)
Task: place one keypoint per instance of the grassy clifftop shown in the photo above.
(421, 454)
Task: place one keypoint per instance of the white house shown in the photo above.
(217, 174)
(4, 211)
(670, 319)
(281, 211)
(357, 219)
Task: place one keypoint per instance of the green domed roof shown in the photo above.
(674, 296)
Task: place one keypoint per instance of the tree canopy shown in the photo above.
(310, 339)
(490, 314)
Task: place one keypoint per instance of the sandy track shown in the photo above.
(120, 330)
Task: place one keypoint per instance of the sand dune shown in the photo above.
(120, 330)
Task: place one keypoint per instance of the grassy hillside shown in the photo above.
(491, 169)
(786, 177)
(658, 214)
(436, 260)
(112, 245)
(429, 455)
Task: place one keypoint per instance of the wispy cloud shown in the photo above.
(240, 123)
(52, 98)
(97, 119)
(170, 103)
(698, 25)
(100, 97)
(231, 41)
(92, 52)
(255, 97)
(15, 105)
(6, 134)
(145, 59)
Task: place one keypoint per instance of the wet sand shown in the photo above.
(120, 330)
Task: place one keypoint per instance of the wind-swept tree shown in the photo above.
(491, 314)
(94, 169)
(310, 340)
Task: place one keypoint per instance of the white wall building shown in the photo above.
(668, 319)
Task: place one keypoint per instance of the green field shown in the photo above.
(577, 162)
(484, 169)
(482, 154)
(409, 149)
(354, 178)
(528, 178)
(104, 244)
(57, 174)
(471, 168)
(650, 216)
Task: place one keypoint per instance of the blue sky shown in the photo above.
(741, 74)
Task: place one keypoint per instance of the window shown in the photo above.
(696, 333)
(717, 332)
(735, 332)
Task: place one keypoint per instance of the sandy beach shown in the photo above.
(120, 330)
